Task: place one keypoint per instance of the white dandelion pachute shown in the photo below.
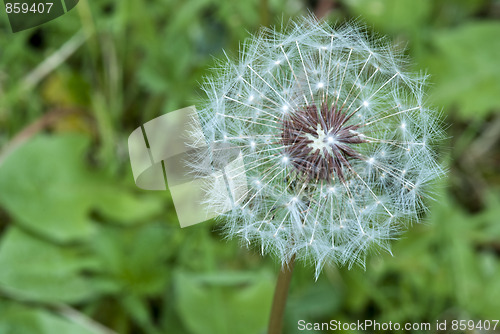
(337, 143)
(316, 144)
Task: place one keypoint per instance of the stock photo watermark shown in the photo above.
(25, 14)
(373, 325)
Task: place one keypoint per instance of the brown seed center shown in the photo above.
(318, 143)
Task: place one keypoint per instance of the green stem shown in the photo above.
(280, 296)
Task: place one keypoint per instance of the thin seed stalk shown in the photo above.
(280, 297)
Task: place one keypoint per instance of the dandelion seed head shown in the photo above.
(342, 148)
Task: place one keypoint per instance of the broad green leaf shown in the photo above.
(47, 186)
(224, 302)
(138, 310)
(37, 270)
(44, 186)
(464, 68)
(121, 205)
(19, 319)
(133, 259)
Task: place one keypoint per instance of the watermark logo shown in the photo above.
(171, 150)
(25, 14)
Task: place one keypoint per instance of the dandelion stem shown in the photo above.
(280, 296)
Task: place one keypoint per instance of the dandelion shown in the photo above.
(337, 143)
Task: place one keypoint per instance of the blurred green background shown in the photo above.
(83, 250)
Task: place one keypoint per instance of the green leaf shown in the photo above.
(47, 186)
(44, 186)
(120, 205)
(133, 260)
(224, 302)
(138, 310)
(18, 319)
(40, 271)
(464, 68)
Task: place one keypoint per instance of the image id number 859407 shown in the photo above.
(25, 8)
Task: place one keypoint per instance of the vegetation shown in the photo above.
(83, 250)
